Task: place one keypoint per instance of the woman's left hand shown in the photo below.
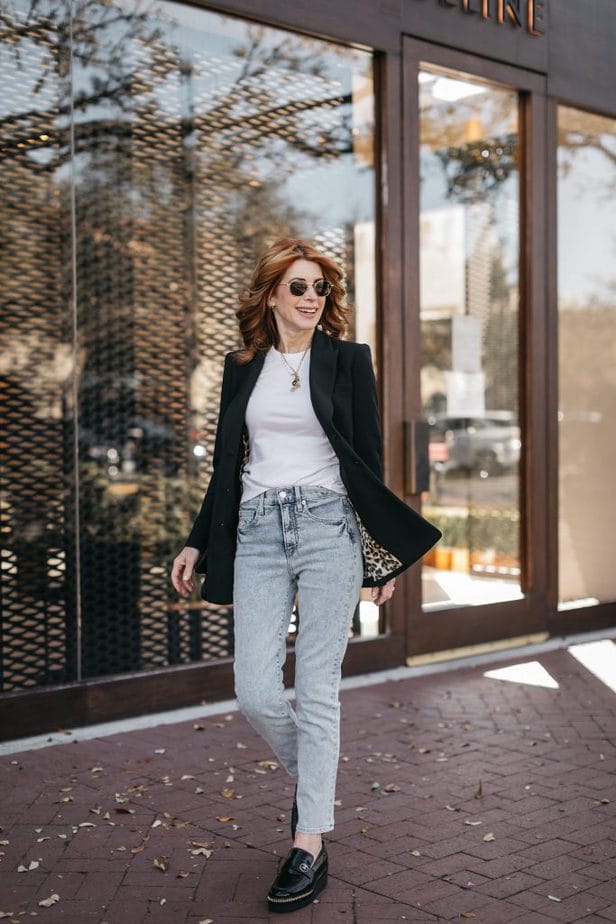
(381, 594)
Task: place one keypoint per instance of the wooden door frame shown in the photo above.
(462, 626)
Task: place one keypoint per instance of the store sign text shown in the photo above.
(523, 14)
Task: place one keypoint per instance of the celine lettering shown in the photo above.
(521, 14)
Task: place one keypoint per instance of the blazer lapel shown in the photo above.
(236, 411)
(322, 376)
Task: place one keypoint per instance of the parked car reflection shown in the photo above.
(488, 445)
(134, 447)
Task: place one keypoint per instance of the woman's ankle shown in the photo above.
(310, 842)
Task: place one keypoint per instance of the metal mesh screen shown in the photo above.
(190, 140)
(36, 633)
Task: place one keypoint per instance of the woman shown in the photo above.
(297, 505)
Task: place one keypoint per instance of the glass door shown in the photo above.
(469, 312)
(464, 373)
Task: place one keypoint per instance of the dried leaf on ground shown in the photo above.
(48, 902)
(479, 793)
(161, 863)
(34, 864)
(140, 846)
(489, 837)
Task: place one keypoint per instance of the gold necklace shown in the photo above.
(295, 380)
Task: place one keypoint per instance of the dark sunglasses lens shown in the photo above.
(322, 287)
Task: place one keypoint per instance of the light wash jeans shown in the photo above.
(300, 539)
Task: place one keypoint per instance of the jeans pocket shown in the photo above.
(327, 510)
(247, 516)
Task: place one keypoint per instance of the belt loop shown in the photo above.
(261, 504)
(298, 498)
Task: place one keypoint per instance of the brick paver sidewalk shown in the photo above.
(460, 797)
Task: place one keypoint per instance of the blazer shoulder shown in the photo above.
(351, 348)
(230, 362)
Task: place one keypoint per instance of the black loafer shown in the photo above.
(294, 814)
(300, 879)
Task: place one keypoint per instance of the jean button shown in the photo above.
(282, 494)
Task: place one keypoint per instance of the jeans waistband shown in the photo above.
(290, 496)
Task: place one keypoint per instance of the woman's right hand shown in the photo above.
(182, 571)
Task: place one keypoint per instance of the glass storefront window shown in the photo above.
(190, 141)
(586, 356)
(469, 309)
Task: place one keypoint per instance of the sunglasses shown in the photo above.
(299, 286)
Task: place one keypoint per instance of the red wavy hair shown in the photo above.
(257, 324)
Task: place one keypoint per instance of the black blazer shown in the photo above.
(343, 393)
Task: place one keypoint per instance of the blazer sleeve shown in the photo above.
(366, 421)
(201, 527)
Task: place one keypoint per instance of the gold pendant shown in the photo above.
(295, 382)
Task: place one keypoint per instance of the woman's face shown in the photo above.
(298, 313)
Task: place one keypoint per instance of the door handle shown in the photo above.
(416, 440)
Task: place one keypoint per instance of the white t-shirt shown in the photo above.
(288, 445)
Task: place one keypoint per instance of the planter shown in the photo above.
(429, 558)
(442, 559)
(460, 559)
